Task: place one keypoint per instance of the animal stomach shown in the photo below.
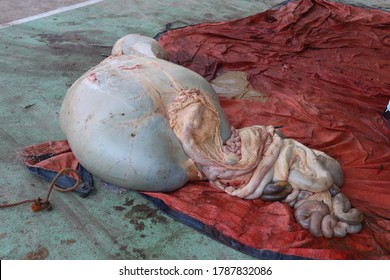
(115, 120)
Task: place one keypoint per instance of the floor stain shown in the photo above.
(119, 208)
(40, 253)
(141, 212)
(139, 253)
(140, 226)
(127, 252)
(159, 220)
(129, 202)
(68, 241)
(69, 45)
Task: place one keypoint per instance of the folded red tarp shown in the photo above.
(325, 68)
(47, 159)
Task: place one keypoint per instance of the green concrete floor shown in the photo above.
(39, 60)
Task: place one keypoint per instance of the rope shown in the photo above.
(39, 204)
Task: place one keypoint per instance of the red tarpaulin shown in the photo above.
(325, 68)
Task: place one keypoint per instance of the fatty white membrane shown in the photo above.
(115, 118)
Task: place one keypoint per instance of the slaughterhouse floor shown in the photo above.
(39, 59)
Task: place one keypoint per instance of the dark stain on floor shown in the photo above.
(144, 211)
(129, 202)
(68, 241)
(139, 253)
(119, 208)
(40, 253)
(137, 224)
(74, 41)
(141, 212)
(78, 50)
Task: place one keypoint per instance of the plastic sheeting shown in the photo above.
(325, 68)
